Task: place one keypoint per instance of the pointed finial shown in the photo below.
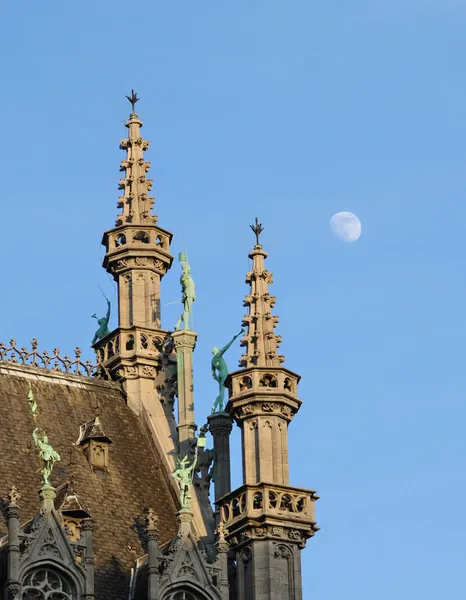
(13, 496)
(258, 229)
(151, 519)
(133, 99)
(221, 532)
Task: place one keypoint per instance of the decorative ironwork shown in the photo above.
(51, 362)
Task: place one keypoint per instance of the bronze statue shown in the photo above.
(103, 324)
(183, 474)
(188, 295)
(47, 454)
(220, 372)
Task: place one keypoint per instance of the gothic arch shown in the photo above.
(46, 582)
(186, 592)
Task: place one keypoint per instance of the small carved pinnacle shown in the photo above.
(133, 99)
(13, 495)
(152, 519)
(258, 229)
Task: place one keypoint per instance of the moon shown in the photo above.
(346, 226)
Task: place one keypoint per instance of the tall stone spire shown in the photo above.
(139, 352)
(135, 202)
(260, 340)
(268, 521)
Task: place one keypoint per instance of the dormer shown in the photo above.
(95, 444)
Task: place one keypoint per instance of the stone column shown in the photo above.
(12, 512)
(185, 342)
(152, 535)
(222, 554)
(220, 426)
(87, 529)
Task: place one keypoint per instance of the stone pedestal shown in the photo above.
(185, 342)
(47, 495)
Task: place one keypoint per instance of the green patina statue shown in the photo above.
(188, 292)
(220, 372)
(184, 475)
(103, 324)
(47, 454)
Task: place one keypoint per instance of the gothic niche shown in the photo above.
(47, 584)
(120, 241)
(245, 384)
(141, 236)
(288, 385)
(95, 444)
(268, 381)
(130, 342)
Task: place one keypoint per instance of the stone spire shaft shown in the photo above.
(260, 341)
(268, 521)
(135, 202)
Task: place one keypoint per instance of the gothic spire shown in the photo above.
(260, 341)
(135, 202)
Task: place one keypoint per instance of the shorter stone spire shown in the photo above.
(260, 341)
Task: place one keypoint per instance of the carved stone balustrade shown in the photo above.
(134, 345)
(138, 247)
(268, 511)
(11, 354)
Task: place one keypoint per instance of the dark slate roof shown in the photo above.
(117, 500)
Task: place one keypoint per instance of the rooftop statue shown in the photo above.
(47, 454)
(188, 293)
(220, 372)
(184, 475)
(103, 324)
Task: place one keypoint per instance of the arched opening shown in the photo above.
(47, 584)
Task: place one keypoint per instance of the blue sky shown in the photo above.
(290, 111)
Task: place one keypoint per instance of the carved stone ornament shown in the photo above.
(294, 535)
(121, 264)
(152, 519)
(13, 590)
(260, 532)
(268, 407)
(13, 496)
(286, 411)
(282, 551)
(141, 261)
(148, 371)
(184, 341)
(278, 531)
(247, 409)
(131, 372)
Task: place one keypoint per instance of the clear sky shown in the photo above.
(290, 110)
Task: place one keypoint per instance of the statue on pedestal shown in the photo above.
(47, 454)
(184, 475)
(220, 372)
(103, 324)
(188, 295)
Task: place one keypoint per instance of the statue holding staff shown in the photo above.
(103, 324)
(184, 475)
(47, 454)
(220, 372)
(188, 295)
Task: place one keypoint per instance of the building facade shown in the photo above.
(105, 478)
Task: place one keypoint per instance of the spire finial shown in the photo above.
(258, 229)
(133, 99)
